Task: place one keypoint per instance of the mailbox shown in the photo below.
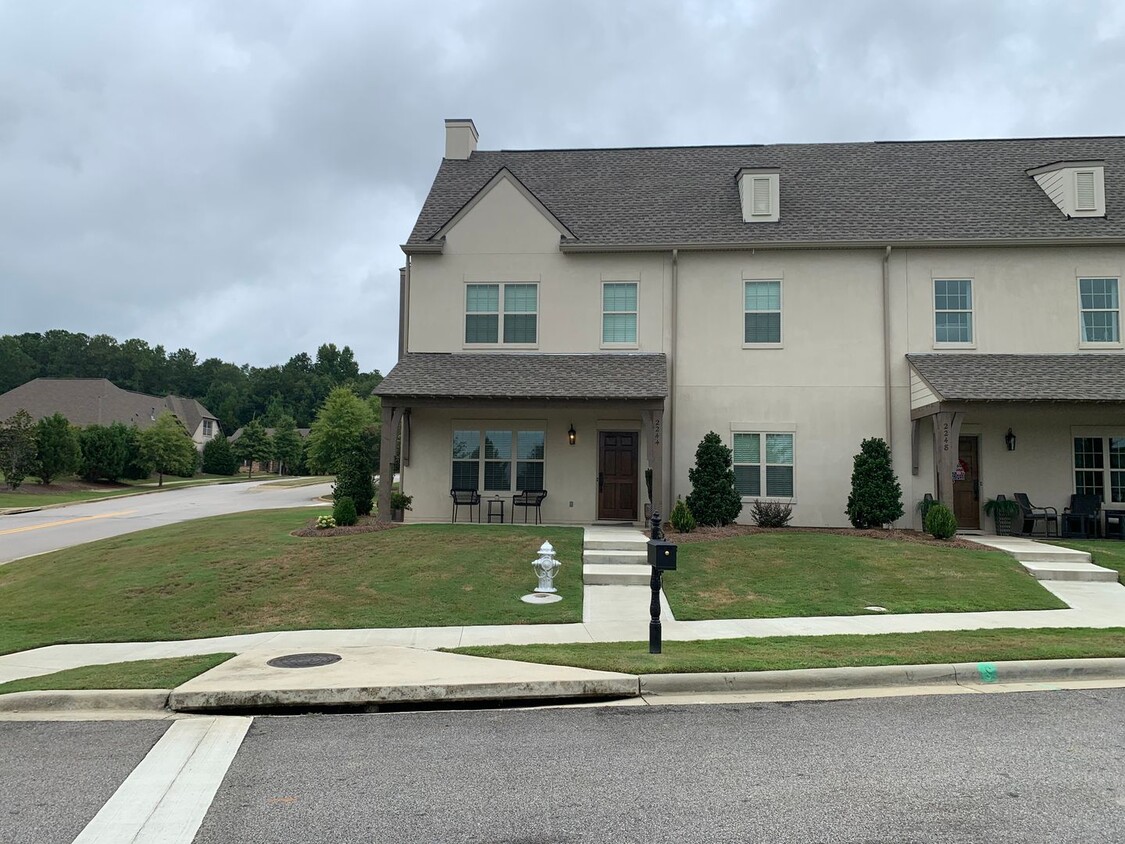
(662, 554)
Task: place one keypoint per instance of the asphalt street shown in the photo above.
(26, 534)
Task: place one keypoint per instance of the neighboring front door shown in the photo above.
(966, 491)
(617, 475)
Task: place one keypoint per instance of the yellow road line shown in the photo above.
(66, 522)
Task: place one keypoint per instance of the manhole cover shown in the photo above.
(303, 660)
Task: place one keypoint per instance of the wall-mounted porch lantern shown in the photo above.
(1010, 440)
(571, 436)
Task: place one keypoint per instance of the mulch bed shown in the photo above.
(708, 534)
(366, 524)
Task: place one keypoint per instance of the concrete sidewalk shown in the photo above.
(617, 614)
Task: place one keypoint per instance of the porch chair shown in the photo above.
(1082, 517)
(529, 498)
(1033, 514)
(465, 498)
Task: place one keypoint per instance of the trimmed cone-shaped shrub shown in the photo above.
(940, 522)
(682, 519)
(713, 499)
(218, 457)
(876, 497)
(343, 511)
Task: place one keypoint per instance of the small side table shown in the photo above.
(1115, 524)
(496, 508)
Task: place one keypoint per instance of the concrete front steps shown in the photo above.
(1049, 562)
(614, 556)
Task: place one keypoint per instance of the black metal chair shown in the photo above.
(529, 498)
(465, 498)
(1033, 514)
(1082, 517)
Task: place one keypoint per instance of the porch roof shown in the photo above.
(609, 376)
(1022, 378)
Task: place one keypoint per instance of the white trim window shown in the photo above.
(208, 428)
(619, 313)
(769, 478)
(1100, 310)
(953, 311)
(519, 304)
(762, 312)
(490, 468)
(1099, 466)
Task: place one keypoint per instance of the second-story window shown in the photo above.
(484, 305)
(1101, 310)
(953, 310)
(762, 312)
(208, 428)
(619, 312)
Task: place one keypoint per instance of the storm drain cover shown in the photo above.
(303, 660)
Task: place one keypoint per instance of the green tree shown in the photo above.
(219, 457)
(876, 497)
(168, 448)
(17, 448)
(338, 429)
(354, 481)
(287, 445)
(713, 499)
(57, 448)
(103, 453)
(253, 445)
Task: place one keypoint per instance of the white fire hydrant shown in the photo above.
(546, 567)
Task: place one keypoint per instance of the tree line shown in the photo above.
(236, 394)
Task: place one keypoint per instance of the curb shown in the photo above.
(940, 674)
(91, 700)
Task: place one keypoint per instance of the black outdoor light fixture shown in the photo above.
(1010, 440)
(571, 435)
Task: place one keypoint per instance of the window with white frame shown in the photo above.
(764, 472)
(762, 307)
(208, 428)
(953, 310)
(1085, 198)
(486, 303)
(491, 467)
(1100, 310)
(1099, 466)
(619, 312)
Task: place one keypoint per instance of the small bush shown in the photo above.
(682, 519)
(324, 522)
(713, 499)
(940, 522)
(354, 481)
(343, 511)
(400, 501)
(876, 496)
(771, 514)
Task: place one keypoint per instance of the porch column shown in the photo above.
(947, 430)
(392, 419)
(652, 421)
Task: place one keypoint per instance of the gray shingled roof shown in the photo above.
(851, 192)
(1061, 378)
(97, 401)
(535, 376)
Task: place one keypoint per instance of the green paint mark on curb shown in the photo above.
(987, 671)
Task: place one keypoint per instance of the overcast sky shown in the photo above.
(236, 176)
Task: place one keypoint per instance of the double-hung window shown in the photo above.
(208, 428)
(518, 304)
(762, 312)
(763, 472)
(491, 467)
(1099, 467)
(619, 313)
(1101, 310)
(953, 310)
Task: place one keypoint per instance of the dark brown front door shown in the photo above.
(617, 475)
(966, 492)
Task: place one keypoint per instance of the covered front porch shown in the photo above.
(582, 428)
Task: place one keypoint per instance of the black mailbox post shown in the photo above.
(662, 558)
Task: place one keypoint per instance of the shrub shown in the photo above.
(399, 501)
(876, 497)
(713, 499)
(682, 519)
(219, 457)
(17, 448)
(940, 522)
(354, 481)
(773, 514)
(324, 522)
(57, 449)
(343, 511)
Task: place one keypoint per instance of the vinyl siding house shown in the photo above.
(794, 298)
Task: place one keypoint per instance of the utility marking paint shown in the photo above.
(987, 671)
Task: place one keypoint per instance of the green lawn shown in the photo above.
(32, 494)
(36, 498)
(142, 674)
(244, 573)
(1105, 552)
(791, 652)
(785, 574)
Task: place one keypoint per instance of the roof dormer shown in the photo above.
(1076, 187)
(759, 190)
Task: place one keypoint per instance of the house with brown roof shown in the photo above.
(570, 318)
(97, 401)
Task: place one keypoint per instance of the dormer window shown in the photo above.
(1084, 192)
(758, 192)
(1076, 187)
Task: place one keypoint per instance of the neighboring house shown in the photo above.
(268, 465)
(795, 298)
(97, 401)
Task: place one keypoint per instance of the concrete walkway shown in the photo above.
(612, 613)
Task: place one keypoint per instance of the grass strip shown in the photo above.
(141, 674)
(775, 653)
